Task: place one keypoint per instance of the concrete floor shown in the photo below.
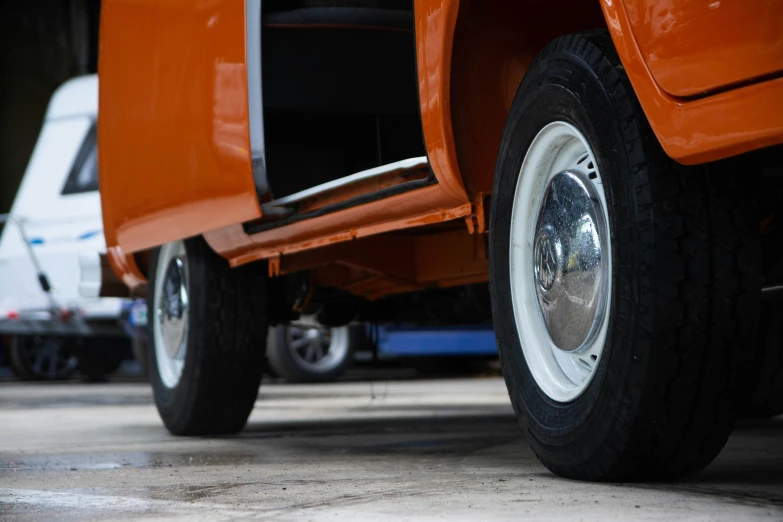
(446, 450)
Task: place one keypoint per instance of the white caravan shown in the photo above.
(55, 217)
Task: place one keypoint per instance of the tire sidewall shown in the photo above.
(226, 339)
(171, 402)
(570, 432)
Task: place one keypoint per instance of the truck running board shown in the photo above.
(356, 189)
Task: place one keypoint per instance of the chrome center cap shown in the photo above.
(547, 259)
(172, 311)
(569, 265)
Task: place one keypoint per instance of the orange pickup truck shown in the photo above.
(601, 179)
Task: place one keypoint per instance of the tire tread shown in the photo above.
(229, 343)
(698, 281)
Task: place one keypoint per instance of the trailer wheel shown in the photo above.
(41, 358)
(624, 285)
(207, 331)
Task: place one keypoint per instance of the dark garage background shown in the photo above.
(44, 43)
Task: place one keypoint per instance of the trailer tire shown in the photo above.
(41, 358)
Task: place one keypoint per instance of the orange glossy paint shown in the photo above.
(447, 200)
(703, 130)
(215, 193)
(173, 132)
(450, 255)
(396, 259)
(402, 211)
(692, 47)
(376, 265)
(477, 220)
(435, 23)
(494, 44)
(174, 136)
(125, 267)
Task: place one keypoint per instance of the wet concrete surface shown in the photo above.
(398, 450)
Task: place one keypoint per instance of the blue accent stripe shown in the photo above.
(80, 237)
(88, 235)
(421, 341)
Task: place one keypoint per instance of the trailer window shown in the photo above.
(84, 173)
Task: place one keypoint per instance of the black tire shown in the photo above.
(685, 283)
(100, 357)
(139, 347)
(283, 363)
(225, 343)
(23, 353)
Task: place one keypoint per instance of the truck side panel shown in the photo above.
(696, 47)
(708, 128)
(173, 133)
(495, 42)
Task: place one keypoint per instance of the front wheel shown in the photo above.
(207, 331)
(624, 286)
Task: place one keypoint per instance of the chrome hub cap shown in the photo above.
(548, 252)
(568, 264)
(170, 328)
(172, 308)
(560, 261)
(317, 348)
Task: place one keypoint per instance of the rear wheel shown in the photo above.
(624, 286)
(311, 353)
(207, 331)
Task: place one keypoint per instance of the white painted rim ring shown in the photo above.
(562, 376)
(169, 368)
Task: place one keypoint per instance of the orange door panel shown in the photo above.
(696, 46)
(173, 131)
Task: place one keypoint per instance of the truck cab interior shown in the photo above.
(340, 97)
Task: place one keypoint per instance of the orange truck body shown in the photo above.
(174, 131)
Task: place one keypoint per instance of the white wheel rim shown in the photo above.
(558, 149)
(317, 349)
(170, 322)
